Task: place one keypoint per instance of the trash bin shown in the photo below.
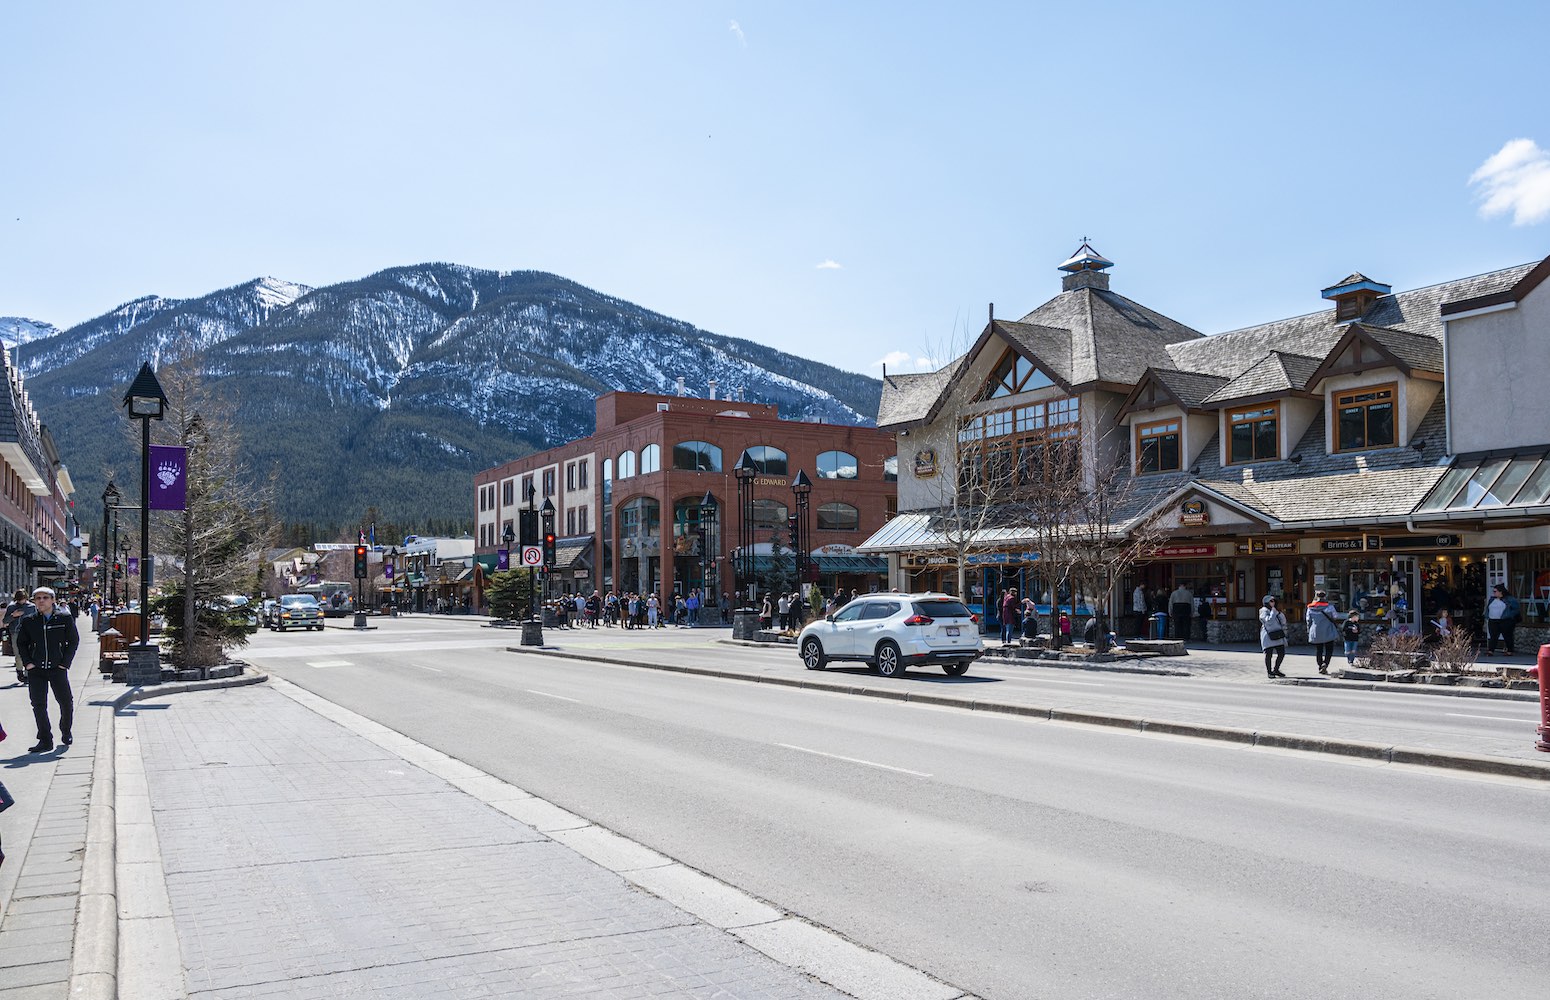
(1159, 625)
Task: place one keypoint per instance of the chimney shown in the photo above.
(712, 388)
(1085, 269)
(680, 385)
(1354, 295)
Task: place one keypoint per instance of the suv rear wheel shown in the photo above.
(956, 668)
(890, 663)
(812, 654)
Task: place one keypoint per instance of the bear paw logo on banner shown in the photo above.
(167, 474)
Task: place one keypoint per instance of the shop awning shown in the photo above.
(921, 531)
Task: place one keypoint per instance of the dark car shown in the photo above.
(299, 611)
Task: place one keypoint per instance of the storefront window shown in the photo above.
(1365, 419)
(768, 515)
(640, 518)
(1253, 434)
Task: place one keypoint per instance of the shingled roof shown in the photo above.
(1276, 372)
(1112, 339)
(908, 399)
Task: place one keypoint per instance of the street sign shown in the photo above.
(532, 555)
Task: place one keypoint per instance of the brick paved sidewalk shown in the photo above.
(45, 832)
(303, 860)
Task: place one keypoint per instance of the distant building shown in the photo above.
(36, 522)
(1393, 450)
(628, 497)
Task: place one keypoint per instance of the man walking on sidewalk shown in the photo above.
(47, 642)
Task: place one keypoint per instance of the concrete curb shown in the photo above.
(1112, 668)
(94, 951)
(1443, 760)
(1485, 694)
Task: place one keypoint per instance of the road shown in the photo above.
(1012, 858)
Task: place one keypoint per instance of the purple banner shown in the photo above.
(134, 565)
(169, 478)
(387, 571)
(502, 559)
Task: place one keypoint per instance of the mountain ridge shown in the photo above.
(394, 388)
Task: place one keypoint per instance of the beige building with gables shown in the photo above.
(1392, 448)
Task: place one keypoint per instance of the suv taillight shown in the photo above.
(919, 620)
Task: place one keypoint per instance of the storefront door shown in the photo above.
(1404, 609)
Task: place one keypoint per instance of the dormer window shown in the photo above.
(1014, 374)
(1364, 419)
(1254, 434)
(1157, 447)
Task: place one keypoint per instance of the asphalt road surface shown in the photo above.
(1012, 858)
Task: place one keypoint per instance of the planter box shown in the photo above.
(1390, 676)
(1164, 647)
(1398, 661)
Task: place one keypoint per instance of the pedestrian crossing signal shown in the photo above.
(360, 562)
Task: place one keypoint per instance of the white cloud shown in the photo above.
(737, 30)
(1516, 180)
(903, 359)
(830, 265)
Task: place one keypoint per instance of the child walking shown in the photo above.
(1351, 632)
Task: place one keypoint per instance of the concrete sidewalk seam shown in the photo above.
(1438, 759)
(845, 965)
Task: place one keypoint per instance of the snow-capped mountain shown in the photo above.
(17, 330)
(394, 388)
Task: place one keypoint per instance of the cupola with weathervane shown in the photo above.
(1354, 295)
(1085, 269)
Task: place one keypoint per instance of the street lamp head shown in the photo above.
(547, 510)
(145, 398)
(746, 467)
(111, 495)
(508, 536)
(801, 485)
(708, 506)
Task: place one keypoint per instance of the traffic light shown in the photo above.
(548, 550)
(360, 562)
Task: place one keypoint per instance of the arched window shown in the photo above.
(838, 517)
(640, 518)
(696, 456)
(608, 470)
(651, 459)
(891, 469)
(626, 464)
(689, 530)
(770, 461)
(836, 465)
(768, 514)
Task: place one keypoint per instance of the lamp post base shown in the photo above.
(745, 625)
(532, 633)
(360, 619)
(144, 666)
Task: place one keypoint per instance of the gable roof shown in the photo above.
(1112, 339)
(909, 399)
(1187, 390)
(1275, 374)
(1526, 283)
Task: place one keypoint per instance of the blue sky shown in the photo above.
(703, 159)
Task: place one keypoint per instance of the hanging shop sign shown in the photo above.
(925, 463)
(1184, 551)
(1414, 541)
(1341, 545)
(835, 549)
(1265, 545)
(1193, 513)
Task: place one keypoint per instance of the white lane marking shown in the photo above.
(1052, 680)
(434, 669)
(375, 646)
(328, 663)
(855, 760)
(556, 697)
(1498, 718)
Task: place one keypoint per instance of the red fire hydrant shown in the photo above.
(1542, 671)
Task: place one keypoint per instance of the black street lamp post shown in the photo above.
(745, 621)
(546, 513)
(533, 627)
(145, 401)
(110, 499)
(802, 487)
(707, 542)
(507, 537)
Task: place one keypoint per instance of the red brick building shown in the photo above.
(628, 497)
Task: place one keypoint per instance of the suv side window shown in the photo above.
(850, 612)
(880, 609)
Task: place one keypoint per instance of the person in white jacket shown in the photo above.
(1272, 636)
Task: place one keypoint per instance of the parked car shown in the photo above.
(240, 607)
(891, 632)
(299, 610)
(269, 612)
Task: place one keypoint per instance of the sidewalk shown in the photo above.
(272, 844)
(45, 832)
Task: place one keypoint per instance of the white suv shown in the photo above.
(894, 631)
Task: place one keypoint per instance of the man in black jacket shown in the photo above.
(47, 642)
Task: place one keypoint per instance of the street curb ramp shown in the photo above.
(1472, 763)
(94, 951)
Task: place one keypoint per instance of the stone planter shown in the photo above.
(1390, 676)
(1398, 661)
(745, 625)
(1445, 679)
